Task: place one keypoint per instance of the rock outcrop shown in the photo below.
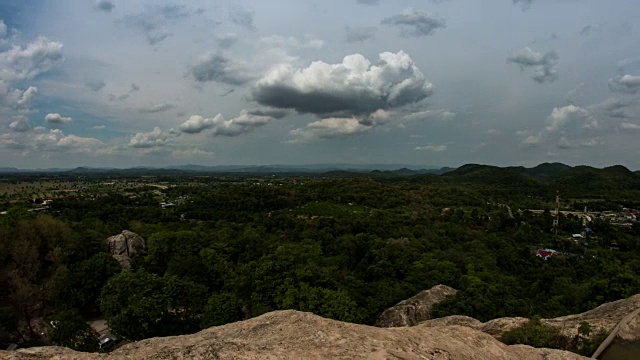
(296, 335)
(605, 316)
(125, 246)
(415, 309)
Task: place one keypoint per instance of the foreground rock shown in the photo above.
(606, 316)
(296, 335)
(415, 309)
(125, 246)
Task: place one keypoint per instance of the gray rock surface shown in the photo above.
(296, 335)
(415, 309)
(125, 246)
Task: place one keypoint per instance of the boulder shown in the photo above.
(125, 246)
(416, 309)
(292, 334)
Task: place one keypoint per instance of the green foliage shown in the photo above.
(221, 309)
(69, 329)
(138, 305)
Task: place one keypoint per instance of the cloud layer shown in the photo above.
(542, 64)
(414, 22)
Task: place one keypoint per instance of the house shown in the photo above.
(546, 253)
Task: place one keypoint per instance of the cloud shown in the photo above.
(219, 68)
(432, 148)
(242, 17)
(218, 126)
(96, 85)
(352, 87)
(567, 117)
(329, 128)
(153, 21)
(274, 113)
(160, 107)
(542, 64)
(630, 126)
(586, 30)
(360, 34)
(56, 140)
(152, 139)
(532, 141)
(278, 41)
(225, 41)
(105, 5)
(17, 98)
(414, 22)
(55, 118)
(615, 108)
(368, 2)
(99, 127)
(628, 84)
(22, 63)
(524, 4)
(20, 125)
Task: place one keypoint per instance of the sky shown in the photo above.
(115, 83)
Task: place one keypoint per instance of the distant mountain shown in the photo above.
(547, 169)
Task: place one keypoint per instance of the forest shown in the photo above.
(342, 245)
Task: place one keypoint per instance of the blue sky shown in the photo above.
(441, 83)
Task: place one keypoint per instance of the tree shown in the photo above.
(139, 305)
(71, 330)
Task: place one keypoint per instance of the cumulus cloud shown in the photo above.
(628, 84)
(274, 113)
(218, 126)
(105, 5)
(532, 141)
(431, 148)
(414, 22)
(569, 117)
(56, 140)
(21, 63)
(152, 139)
(329, 128)
(630, 126)
(160, 107)
(616, 108)
(16, 98)
(368, 2)
(55, 118)
(352, 87)
(95, 85)
(360, 34)
(21, 124)
(542, 64)
(242, 17)
(219, 68)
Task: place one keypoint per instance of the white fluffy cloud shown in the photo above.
(630, 126)
(55, 118)
(541, 63)
(3, 29)
(352, 87)
(21, 124)
(432, 148)
(218, 126)
(20, 63)
(329, 128)
(152, 139)
(629, 84)
(568, 118)
(56, 140)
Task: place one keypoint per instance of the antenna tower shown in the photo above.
(557, 217)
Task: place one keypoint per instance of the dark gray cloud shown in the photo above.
(160, 107)
(226, 41)
(524, 4)
(95, 85)
(360, 34)
(414, 22)
(321, 88)
(628, 84)
(242, 17)
(105, 5)
(219, 68)
(274, 113)
(542, 64)
(586, 30)
(368, 2)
